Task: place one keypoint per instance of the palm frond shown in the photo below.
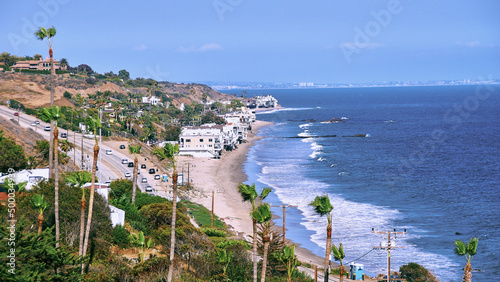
(41, 33)
(262, 213)
(460, 248)
(472, 247)
(248, 193)
(322, 205)
(51, 32)
(338, 253)
(265, 192)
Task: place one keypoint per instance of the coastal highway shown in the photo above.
(111, 166)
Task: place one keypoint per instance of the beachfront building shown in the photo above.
(37, 65)
(201, 141)
(241, 122)
(267, 101)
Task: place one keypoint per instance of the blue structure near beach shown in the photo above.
(356, 271)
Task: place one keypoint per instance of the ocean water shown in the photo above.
(429, 164)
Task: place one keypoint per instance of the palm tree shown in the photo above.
(169, 152)
(52, 115)
(468, 250)
(41, 34)
(92, 125)
(78, 178)
(338, 254)
(39, 204)
(65, 145)
(224, 258)
(262, 214)
(249, 193)
(323, 207)
(134, 150)
(288, 258)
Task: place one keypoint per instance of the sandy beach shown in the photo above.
(223, 176)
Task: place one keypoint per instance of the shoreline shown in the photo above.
(223, 176)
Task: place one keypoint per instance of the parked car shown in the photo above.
(122, 146)
(131, 164)
(47, 128)
(33, 124)
(64, 135)
(124, 161)
(143, 166)
(16, 114)
(128, 174)
(157, 177)
(152, 171)
(37, 122)
(107, 182)
(109, 152)
(144, 180)
(149, 189)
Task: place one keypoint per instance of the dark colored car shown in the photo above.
(122, 146)
(130, 164)
(152, 171)
(64, 135)
(143, 166)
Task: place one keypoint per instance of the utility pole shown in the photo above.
(212, 222)
(391, 245)
(284, 218)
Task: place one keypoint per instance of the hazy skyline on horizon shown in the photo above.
(278, 41)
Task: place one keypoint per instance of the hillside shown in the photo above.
(33, 90)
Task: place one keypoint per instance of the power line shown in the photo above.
(361, 256)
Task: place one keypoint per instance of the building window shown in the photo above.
(209, 140)
(210, 146)
(201, 140)
(188, 140)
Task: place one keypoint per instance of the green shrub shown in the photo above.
(414, 272)
(121, 236)
(212, 232)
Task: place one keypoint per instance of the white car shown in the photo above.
(149, 189)
(109, 152)
(124, 161)
(33, 124)
(47, 128)
(107, 183)
(157, 177)
(128, 174)
(144, 180)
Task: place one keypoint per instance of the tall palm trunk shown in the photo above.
(174, 216)
(91, 200)
(52, 74)
(254, 250)
(40, 222)
(51, 151)
(82, 223)
(328, 246)
(341, 272)
(467, 273)
(56, 183)
(264, 259)
(134, 179)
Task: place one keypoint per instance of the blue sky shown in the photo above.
(349, 41)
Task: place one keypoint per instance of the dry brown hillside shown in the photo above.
(33, 90)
